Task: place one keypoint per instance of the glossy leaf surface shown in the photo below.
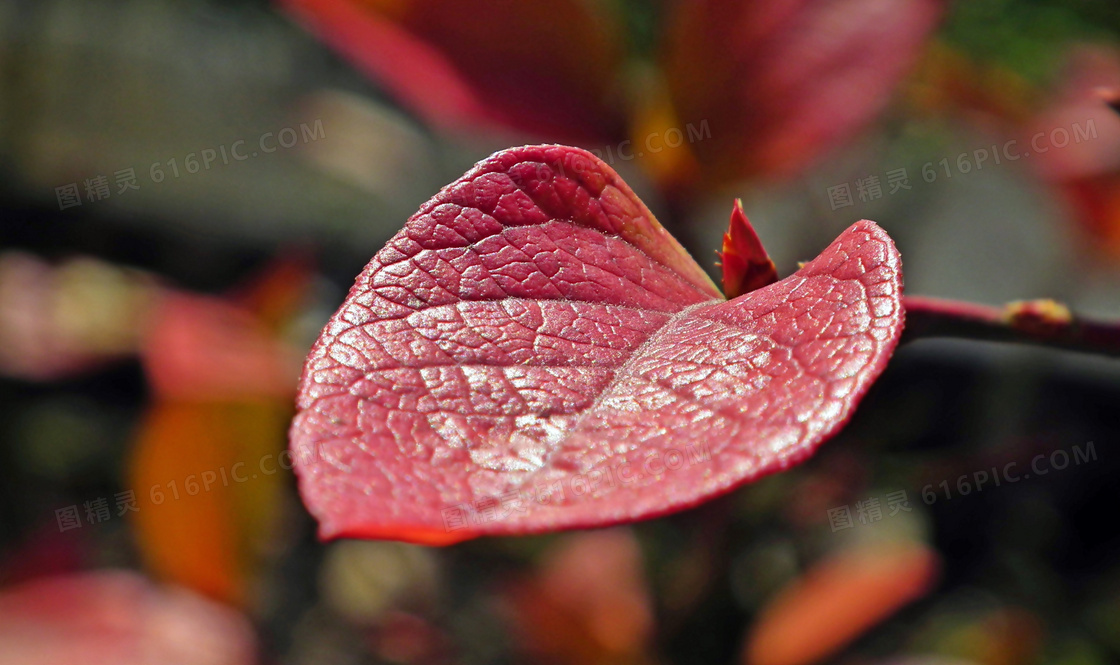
(534, 352)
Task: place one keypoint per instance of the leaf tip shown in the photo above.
(744, 261)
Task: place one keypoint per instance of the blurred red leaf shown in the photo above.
(588, 604)
(745, 263)
(761, 88)
(199, 347)
(534, 334)
(782, 82)
(838, 600)
(1084, 162)
(206, 463)
(117, 618)
(545, 68)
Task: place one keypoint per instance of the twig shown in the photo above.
(1038, 322)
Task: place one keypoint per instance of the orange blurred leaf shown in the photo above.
(207, 459)
(206, 478)
(838, 600)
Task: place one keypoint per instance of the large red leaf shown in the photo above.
(533, 351)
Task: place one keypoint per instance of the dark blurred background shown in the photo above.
(188, 188)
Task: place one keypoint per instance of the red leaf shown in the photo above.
(112, 617)
(745, 263)
(533, 345)
(781, 82)
(204, 348)
(1086, 172)
(544, 68)
(588, 603)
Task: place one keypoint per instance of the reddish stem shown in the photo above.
(1039, 322)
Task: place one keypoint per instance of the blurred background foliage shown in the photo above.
(151, 335)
